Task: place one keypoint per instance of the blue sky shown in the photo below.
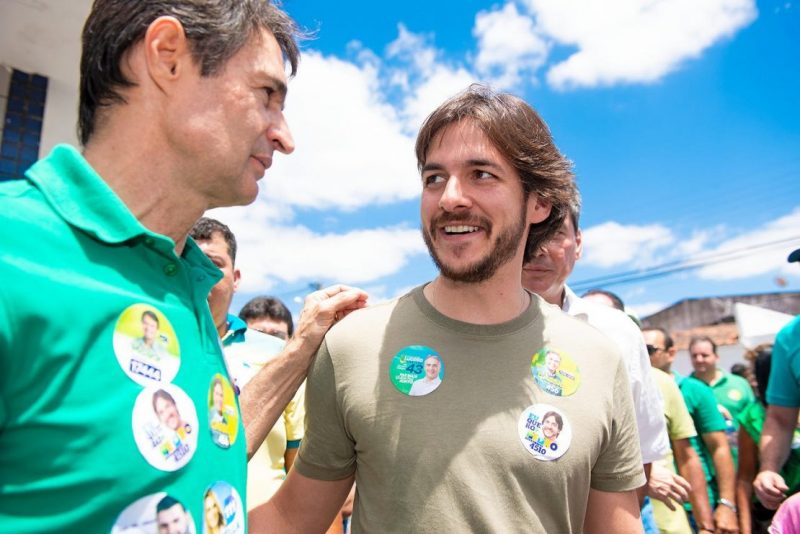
(682, 120)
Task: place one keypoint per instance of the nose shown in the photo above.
(280, 135)
(453, 196)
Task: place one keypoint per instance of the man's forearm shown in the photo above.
(776, 438)
(266, 395)
(720, 451)
(691, 469)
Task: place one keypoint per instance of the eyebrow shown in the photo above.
(470, 163)
(279, 86)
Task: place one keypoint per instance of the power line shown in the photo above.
(676, 266)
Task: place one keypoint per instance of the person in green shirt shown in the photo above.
(181, 110)
(733, 393)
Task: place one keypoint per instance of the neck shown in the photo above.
(146, 182)
(709, 376)
(493, 301)
(556, 296)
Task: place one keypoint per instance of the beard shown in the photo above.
(504, 248)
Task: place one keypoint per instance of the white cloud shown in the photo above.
(758, 261)
(423, 77)
(269, 252)
(646, 308)
(441, 83)
(351, 148)
(508, 45)
(633, 41)
(611, 244)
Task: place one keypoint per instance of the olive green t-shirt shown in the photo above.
(471, 453)
(108, 364)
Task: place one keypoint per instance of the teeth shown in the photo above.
(460, 229)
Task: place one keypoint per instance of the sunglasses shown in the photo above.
(652, 349)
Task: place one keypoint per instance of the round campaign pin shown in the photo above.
(165, 426)
(223, 417)
(735, 395)
(555, 372)
(146, 346)
(544, 431)
(154, 514)
(223, 512)
(416, 370)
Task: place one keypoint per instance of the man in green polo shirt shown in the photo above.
(180, 111)
(733, 393)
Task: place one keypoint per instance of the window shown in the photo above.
(24, 95)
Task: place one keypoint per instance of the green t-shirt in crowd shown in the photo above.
(110, 360)
(752, 420)
(702, 406)
(734, 394)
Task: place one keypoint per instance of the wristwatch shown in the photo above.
(729, 504)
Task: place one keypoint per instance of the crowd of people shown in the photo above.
(490, 399)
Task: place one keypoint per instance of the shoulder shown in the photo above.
(557, 320)
(367, 323)
(737, 381)
(579, 337)
(788, 338)
(22, 205)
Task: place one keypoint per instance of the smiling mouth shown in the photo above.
(460, 229)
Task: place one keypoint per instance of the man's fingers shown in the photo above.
(684, 484)
(668, 504)
(339, 298)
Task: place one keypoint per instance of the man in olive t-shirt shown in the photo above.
(474, 453)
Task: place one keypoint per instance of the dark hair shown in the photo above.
(522, 137)
(267, 307)
(152, 315)
(205, 228)
(615, 300)
(161, 394)
(700, 339)
(215, 29)
(557, 417)
(739, 369)
(668, 342)
(762, 363)
(168, 502)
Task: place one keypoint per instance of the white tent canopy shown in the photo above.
(758, 325)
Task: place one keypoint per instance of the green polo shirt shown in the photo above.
(735, 395)
(103, 414)
(702, 406)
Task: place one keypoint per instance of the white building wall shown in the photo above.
(44, 37)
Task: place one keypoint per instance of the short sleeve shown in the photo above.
(784, 388)
(707, 416)
(679, 421)
(327, 451)
(619, 466)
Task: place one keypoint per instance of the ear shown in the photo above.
(538, 209)
(166, 51)
(578, 244)
(237, 276)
